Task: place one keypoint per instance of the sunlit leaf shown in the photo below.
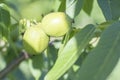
(73, 7)
(71, 52)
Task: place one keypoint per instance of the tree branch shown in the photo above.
(23, 56)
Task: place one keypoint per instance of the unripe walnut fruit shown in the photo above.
(56, 24)
(35, 40)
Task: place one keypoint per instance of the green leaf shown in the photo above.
(4, 15)
(104, 25)
(101, 61)
(14, 32)
(73, 7)
(110, 9)
(88, 4)
(115, 74)
(71, 52)
(36, 64)
(62, 6)
(51, 55)
(3, 30)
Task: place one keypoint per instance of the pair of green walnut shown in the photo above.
(36, 38)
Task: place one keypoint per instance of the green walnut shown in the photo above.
(35, 40)
(56, 24)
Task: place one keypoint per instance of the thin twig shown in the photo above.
(23, 56)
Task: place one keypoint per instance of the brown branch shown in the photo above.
(23, 56)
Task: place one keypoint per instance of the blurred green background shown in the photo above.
(33, 9)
